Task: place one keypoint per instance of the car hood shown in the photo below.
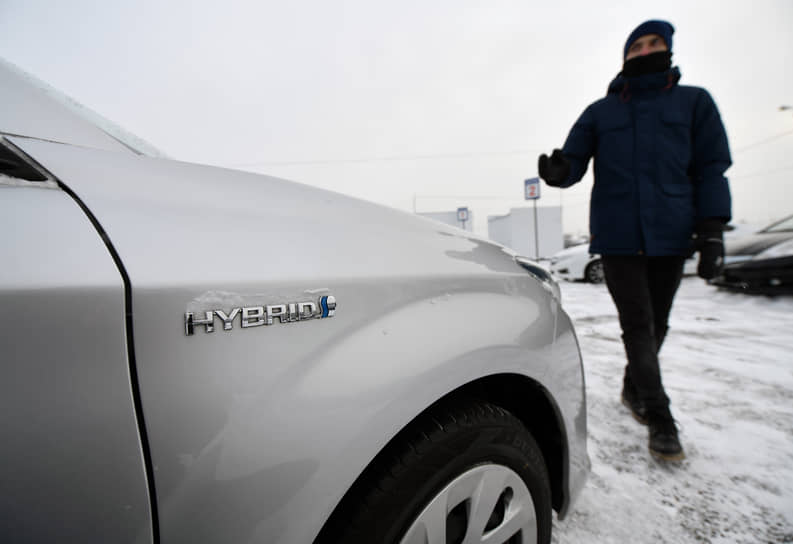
(755, 243)
(180, 222)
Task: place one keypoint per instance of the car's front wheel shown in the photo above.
(467, 474)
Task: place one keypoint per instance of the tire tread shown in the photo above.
(428, 435)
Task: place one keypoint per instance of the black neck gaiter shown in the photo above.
(647, 64)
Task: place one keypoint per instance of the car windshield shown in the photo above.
(781, 226)
(133, 142)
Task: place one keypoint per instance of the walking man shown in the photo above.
(660, 152)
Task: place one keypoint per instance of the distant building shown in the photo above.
(516, 230)
(450, 218)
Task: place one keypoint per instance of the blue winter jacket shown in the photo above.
(660, 153)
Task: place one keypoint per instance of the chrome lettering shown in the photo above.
(279, 311)
(256, 316)
(253, 316)
(227, 319)
(306, 310)
(190, 321)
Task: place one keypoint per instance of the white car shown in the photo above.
(577, 263)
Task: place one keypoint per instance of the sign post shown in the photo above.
(531, 191)
(462, 216)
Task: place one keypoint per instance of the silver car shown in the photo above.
(193, 354)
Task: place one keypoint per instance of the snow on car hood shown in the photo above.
(782, 249)
(755, 243)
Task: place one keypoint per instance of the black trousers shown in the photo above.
(643, 289)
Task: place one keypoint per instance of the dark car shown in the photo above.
(749, 246)
(760, 263)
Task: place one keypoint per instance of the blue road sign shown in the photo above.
(531, 189)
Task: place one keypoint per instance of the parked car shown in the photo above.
(195, 354)
(769, 272)
(576, 263)
(749, 246)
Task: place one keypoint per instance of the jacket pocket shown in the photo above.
(683, 188)
(614, 155)
(674, 139)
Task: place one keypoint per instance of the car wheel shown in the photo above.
(594, 272)
(469, 474)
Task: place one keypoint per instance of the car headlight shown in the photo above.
(544, 276)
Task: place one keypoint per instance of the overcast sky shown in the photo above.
(433, 104)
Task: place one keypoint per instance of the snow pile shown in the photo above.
(727, 364)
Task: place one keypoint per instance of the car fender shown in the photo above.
(297, 406)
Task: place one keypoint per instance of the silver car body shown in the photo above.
(119, 426)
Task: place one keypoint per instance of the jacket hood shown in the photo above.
(645, 82)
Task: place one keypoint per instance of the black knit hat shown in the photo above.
(654, 26)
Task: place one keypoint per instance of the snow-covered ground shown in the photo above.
(727, 365)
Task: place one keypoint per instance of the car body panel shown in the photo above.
(747, 246)
(740, 246)
(571, 263)
(253, 428)
(769, 272)
(772, 276)
(72, 462)
(567, 388)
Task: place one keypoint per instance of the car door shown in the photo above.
(71, 461)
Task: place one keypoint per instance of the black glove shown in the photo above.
(553, 170)
(709, 241)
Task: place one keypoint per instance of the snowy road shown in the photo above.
(727, 365)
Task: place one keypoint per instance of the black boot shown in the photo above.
(630, 398)
(664, 443)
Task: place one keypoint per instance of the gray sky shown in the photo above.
(440, 104)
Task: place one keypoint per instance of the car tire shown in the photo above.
(594, 272)
(469, 469)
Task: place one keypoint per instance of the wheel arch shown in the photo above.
(525, 398)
